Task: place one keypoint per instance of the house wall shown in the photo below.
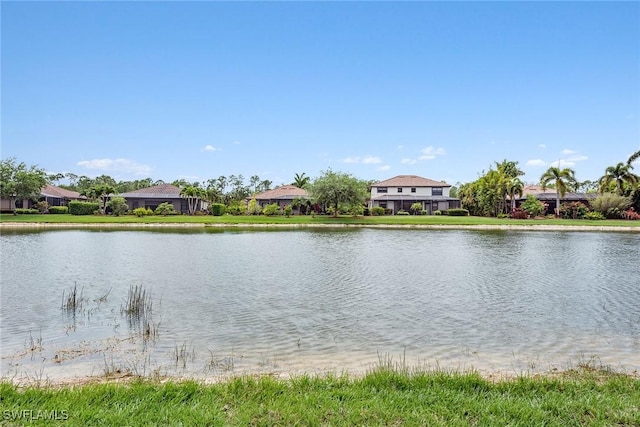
(135, 203)
(420, 191)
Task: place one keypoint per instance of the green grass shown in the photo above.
(296, 219)
(384, 397)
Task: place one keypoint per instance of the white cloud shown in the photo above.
(430, 153)
(407, 161)
(370, 160)
(116, 165)
(236, 143)
(577, 158)
(384, 168)
(367, 160)
(543, 146)
(211, 148)
(536, 162)
(567, 152)
(351, 160)
(563, 164)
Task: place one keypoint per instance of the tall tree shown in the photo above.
(101, 193)
(301, 180)
(333, 188)
(514, 186)
(192, 194)
(635, 156)
(562, 179)
(620, 174)
(19, 181)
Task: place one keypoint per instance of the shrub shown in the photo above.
(594, 216)
(533, 206)
(423, 212)
(165, 209)
(253, 208)
(25, 211)
(610, 205)
(118, 205)
(42, 206)
(401, 212)
(356, 210)
(58, 210)
(271, 210)
(236, 208)
(416, 208)
(458, 212)
(519, 213)
(437, 213)
(83, 208)
(218, 209)
(575, 210)
(503, 215)
(288, 210)
(377, 211)
(140, 212)
(631, 214)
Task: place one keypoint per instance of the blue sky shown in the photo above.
(196, 90)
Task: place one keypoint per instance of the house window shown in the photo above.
(134, 205)
(382, 189)
(436, 191)
(399, 189)
(413, 189)
(383, 205)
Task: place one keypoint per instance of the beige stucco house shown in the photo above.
(402, 191)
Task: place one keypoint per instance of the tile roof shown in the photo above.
(550, 194)
(162, 191)
(410, 181)
(284, 192)
(61, 193)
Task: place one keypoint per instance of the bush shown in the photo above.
(575, 210)
(533, 206)
(139, 212)
(83, 208)
(25, 211)
(377, 211)
(58, 210)
(253, 208)
(610, 205)
(519, 213)
(118, 205)
(631, 214)
(271, 210)
(42, 206)
(401, 212)
(165, 209)
(594, 216)
(218, 209)
(288, 210)
(437, 213)
(458, 212)
(423, 212)
(236, 208)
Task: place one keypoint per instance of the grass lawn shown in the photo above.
(296, 219)
(384, 397)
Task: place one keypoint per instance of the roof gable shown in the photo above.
(61, 193)
(162, 191)
(410, 181)
(283, 192)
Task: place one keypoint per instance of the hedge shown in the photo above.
(458, 212)
(58, 210)
(83, 208)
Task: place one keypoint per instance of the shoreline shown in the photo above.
(204, 226)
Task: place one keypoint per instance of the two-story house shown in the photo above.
(400, 192)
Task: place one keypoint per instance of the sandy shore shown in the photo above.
(115, 226)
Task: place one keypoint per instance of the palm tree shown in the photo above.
(192, 194)
(514, 186)
(563, 179)
(635, 156)
(301, 180)
(620, 174)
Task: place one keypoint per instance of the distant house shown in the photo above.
(548, 196)
(54, 196)
(283, 196)
(151, 197)
(400, 192)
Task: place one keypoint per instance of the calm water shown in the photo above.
(315, 301)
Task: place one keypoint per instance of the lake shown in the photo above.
(282, 302)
